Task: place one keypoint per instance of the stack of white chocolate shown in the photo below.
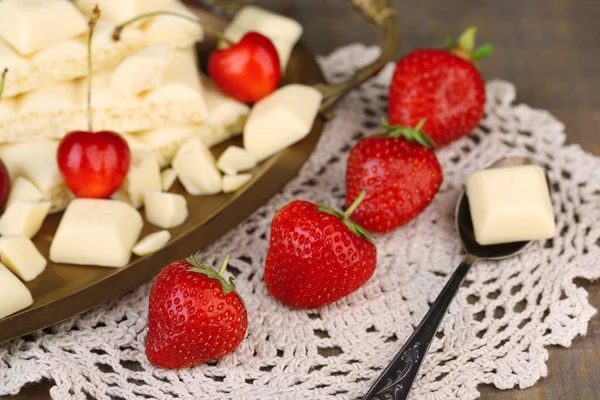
(146, 87)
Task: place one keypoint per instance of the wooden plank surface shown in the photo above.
(551, 50)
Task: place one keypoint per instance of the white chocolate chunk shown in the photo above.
(282, 31)
(96, 232)
(141, 71)
(231, 183)
(168, 176)
(74, 48)
(103, 96)
(119, 11)
(14, 295)
(23, 189)
(165, 210)
(20, 255)
(510, 204)
(164, 142)
(143, 175)
(12, 60)
(160, 28)
(52, 99)
(235, 159)
(181, 83)
(281, 119)
(36, 161)
(151, 243)
(24, 218)
(31, 25)
(196, 169)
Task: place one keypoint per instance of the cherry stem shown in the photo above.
(2, 80)
(223, 266)
(92, 24)
(355, 204)
(119, 29)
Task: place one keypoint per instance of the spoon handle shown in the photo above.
(397, 379)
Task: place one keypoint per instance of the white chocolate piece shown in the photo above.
(182, 81)
(151, 243)
(231, 183)
(282, 31)
(119, 11)
(281, 119)
(103, 97)
(20, 255)
(24, 218)
(14, 295)
(36, 161)
(143, 175)
(142, 71)
(52, 99)
(160, 28)
(74, 48)
(12, 60)
(31, 25)
(196, 169)
(23, 189)
(510, 204)
(165, 210)
(164, 142)
(168, 177)
(96, 232)
(235, 159)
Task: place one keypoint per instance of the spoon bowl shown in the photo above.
(397, 379)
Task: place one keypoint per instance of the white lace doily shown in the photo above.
(495, 332)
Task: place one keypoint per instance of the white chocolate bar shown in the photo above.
(142, 71)
(96, 232)
(281, 119)
(23, 189)
(160, 28)
(168, 176)
(67, 60)
(36, 161)
(143, 175)
(231, 183)
(32, 25)
(151, 243)
(235, 159)
(510, 204)
(196, 169)
(119, 11)
(20, 255)
(165, 142)
(14, 295)
(55, 110)
(165, 210)
(24, 218)
(284, 32)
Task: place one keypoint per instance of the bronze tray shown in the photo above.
(63, 291)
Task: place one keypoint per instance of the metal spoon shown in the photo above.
(396, 380)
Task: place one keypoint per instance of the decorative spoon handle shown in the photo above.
(397, 379)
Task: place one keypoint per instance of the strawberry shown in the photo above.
(442, 86)
(195, 315)
(400, 173)
(317, 255)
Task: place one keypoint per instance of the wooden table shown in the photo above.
(550, 49)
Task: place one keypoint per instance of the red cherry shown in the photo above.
(248, 70)
(4, 185)
(93, 164)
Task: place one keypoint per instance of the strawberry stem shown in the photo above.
(412, 134)
(465, 46)
(466, 41)
(2, 80)
(420, 124)
(119, 29)
(92, 24)
(223, 266)
(355, 204)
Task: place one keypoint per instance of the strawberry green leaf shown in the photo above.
(483, 51)
(345, 217)
(198, 267)
(413, 134)
(449, 42)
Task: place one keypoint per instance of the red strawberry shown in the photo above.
(442, 86)
(316, 255)
(400, 174)
(195, 315)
